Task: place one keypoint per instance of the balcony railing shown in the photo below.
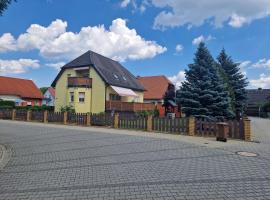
(80, 82)
(128, 106)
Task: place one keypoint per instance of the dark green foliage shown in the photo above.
(145, 113)
(3, 5)
(43, 89)
(266, 107)
(203, 94)
(35, 108)
(7, 104)
(235, 82)
(67, 109)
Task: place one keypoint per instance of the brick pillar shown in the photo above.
(247, 129)
(65, 118)
(191, 126)
(29, 115)
(116, 120)
(13, 114)
(149, 123)
(88, 119)
(45, 116)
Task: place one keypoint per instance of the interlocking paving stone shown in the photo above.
(74, 163)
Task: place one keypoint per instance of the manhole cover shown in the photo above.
(247, 154)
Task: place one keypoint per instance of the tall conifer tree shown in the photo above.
(235, 81)
(203, 94)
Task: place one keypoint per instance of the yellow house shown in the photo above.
(91, 81)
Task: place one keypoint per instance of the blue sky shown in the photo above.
(149, 37)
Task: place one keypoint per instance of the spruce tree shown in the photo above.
(235, 81)
(203, 94)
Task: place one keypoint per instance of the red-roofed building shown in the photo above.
(155, 86)
(23, 92)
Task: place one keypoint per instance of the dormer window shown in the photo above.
(115, 76)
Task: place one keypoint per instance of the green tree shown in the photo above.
(235, 82)
(3, 5)
(43, 89)
(203, 94)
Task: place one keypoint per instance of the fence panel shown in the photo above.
(176, 125)
(6, 114)
(21, 115)
(77, 118)
(57, 117)
(209, 128)
(129, 121)
(102, 119)
(37, 116)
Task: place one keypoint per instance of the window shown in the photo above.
(115, 76)
(81, 97)
(115, 97)
(71, 96)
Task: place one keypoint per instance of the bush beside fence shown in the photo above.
(184, 126)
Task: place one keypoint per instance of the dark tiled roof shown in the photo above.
(112, 72)
(155, 86)
(258, 96)
(19, 87)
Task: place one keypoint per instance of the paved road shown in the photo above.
(57, 162)
(261, 129)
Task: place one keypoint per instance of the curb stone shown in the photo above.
(5, 155)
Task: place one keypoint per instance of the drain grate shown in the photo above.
(246, 154)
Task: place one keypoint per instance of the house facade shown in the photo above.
(49, 97)
(22, 91)
(92, 81)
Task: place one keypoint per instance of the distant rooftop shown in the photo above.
(258, 96)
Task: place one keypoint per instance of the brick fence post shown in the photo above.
(191, 126)
(45, 116)
(28, 115)
(13, 116)
(149, 123)
(88, 119)
(65, 118)
(247, 129)
(116, 120)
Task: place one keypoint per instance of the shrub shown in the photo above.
(7, 103)
(67, 109)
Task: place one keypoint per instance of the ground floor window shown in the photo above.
(81, 97)
(71, 94)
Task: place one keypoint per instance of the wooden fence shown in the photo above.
(132, 122)
(37, 116)
(176, 125)
(184, 126)
(102, 119)
(209, 129)
(77, 118)
(57, 117)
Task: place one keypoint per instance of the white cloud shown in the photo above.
(37, 36)
(7, 43)
(191, 13)
(237, 21)
(262, 82)
(118, 42)
(179, 48)
(56, 66)
(17, 66)
(124, 3)
(201, 38)
(178, 79)
(263, 63)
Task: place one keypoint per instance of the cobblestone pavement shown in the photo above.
(57, 162)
